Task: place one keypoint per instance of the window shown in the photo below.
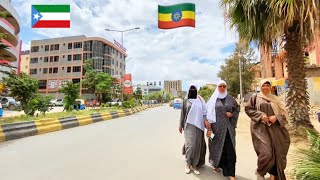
(46, 48)
(35, 49)
(45, 70)
(40, 58)
(68, 69)
(120, 65)
(51, 47)
(42, 84)
(77, 45)
(55, 70)
(51, 58)
(74, 81)
(69, 57)
(56, 59)
(41, 47)
(46, 59)
(76, 68)
(62, 68)
(77, 57)
(34, 60)
(69, 45)
(33, 71)
(63, 56)
(56, 47)
(117, 63)
(50, 70)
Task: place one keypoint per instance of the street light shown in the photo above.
(122, 31)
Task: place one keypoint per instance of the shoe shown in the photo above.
(195, 170)
(187, 169)
(216, 170)
(259, 177)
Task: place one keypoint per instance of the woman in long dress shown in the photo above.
(193, 114)
(270, 138)
(222, 117)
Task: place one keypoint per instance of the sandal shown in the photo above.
(216, 170)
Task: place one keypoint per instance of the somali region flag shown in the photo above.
(50, 16)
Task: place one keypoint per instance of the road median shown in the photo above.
(30, 128)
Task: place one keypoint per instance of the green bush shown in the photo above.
(115, 105)
(308, 164)
(103, 105)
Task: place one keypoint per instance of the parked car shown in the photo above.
(57, 102)
(10, 103)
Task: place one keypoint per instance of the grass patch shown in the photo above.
(23, 118)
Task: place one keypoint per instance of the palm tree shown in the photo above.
(296, 21)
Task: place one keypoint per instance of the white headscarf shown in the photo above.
(197, 112)
(211, 104)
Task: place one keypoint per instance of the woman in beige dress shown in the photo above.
(270, 138)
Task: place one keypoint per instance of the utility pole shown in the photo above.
(240, 76)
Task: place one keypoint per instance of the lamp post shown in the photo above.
(122, 31)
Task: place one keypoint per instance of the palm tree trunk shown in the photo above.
(297, 97)
(265, 53)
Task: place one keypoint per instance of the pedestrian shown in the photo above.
(193, 114)
(270, 138)
(94, 103)
(222, 118)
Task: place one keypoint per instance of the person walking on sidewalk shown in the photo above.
(270, 138)
(222, 118)
(193, 114)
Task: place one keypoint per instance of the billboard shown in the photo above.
(127, 84)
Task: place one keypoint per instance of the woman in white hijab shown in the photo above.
(193, 115)
(222, 117)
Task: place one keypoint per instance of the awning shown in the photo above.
(279, 82)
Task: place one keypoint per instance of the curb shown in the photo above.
(30, 128)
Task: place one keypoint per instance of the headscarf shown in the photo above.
(193, 92)
(197, 110)
(211, 104)
(278, 106)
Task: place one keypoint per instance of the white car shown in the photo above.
(57, 102)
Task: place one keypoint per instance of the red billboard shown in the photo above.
(127, 84)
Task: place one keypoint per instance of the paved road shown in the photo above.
(143, 146)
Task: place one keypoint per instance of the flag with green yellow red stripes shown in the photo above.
(178, 15)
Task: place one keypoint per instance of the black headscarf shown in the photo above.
(192, 94)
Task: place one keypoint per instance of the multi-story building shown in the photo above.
(56, 61)
(10, 26)
(24, 62)
(147, 89)
(173, 87)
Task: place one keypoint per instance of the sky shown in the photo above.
(193, 55)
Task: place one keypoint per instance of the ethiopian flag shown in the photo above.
(50, 16)
(178, 15)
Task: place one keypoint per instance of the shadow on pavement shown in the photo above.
(206, 173)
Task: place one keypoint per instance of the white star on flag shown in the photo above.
(36, 16)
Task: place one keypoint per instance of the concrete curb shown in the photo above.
(30, 128)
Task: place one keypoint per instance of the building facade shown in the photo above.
(56, 61)
(24, 62)
(146, 89)
(10, 26)
(173, 88)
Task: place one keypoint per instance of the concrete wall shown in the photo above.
(314, 90)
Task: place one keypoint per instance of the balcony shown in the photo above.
(11, 53)
(13, 18)
(9, 31)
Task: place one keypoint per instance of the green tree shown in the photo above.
(40, 103)
(71, 92)
(230, 70)
(23, 88)
(138, 93)
(205, 92)
(99, 83)
(297, 23)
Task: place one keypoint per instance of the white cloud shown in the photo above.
(156, 54)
